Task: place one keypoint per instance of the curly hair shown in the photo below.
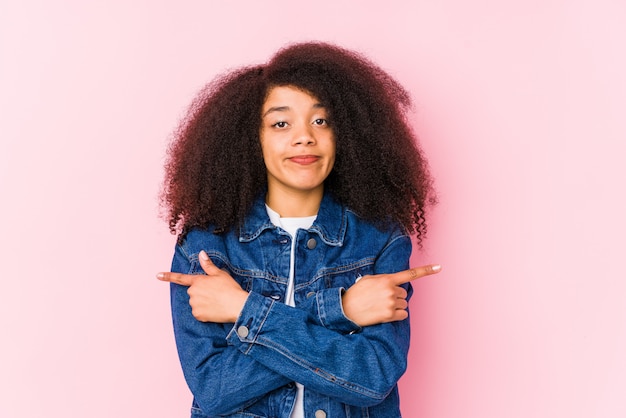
(215, 169)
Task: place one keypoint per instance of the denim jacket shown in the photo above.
(248, 369)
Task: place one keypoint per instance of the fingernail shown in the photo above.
(436, 267)
(160, 276)
(204, 255)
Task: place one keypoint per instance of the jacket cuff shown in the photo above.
(248, 326)
(330, 311)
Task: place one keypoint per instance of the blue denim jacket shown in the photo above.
(247, 369)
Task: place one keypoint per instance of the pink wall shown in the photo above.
(520, 106)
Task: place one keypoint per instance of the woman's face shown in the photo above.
(297, 142)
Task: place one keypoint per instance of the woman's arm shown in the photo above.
(221, 379)
(358, 368)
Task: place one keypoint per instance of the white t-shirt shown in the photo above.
(292, 225)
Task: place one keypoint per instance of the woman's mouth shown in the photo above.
(304, 159)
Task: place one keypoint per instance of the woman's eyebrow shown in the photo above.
(276, 109)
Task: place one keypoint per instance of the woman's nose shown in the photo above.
(303, 136)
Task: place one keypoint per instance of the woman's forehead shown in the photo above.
(285, 98)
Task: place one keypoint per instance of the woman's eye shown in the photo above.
(320, 122)
(280, 124)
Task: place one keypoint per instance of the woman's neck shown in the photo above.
(294, 205)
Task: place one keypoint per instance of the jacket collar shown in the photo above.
(330, 224)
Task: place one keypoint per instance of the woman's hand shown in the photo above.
(379, 298)
(214, 297)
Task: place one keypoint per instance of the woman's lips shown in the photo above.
(304, 159)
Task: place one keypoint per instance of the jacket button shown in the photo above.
(243, 331)
(311, 243)
(310, 294)
(320, 414)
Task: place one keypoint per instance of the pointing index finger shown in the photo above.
(416, 272)
(178, 278)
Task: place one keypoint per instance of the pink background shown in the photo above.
(519, 104)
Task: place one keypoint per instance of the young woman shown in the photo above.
(294, 187)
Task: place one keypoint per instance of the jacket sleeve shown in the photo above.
(359, 368)
(325, 309)
(221, 378)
